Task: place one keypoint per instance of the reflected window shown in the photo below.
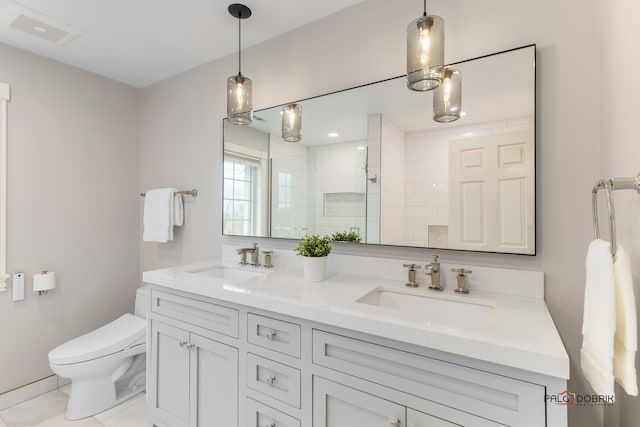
(240, 186)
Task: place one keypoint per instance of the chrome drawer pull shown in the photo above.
(271, 334)
(395, 423)
(183, 344)
(271, 380)
(271, 425)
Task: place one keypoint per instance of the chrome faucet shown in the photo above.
(254, 251)
(433, 269)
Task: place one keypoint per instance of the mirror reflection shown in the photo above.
(371, 161)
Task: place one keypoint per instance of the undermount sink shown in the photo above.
(229, 273)
(431, 305)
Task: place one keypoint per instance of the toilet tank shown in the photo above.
(142, 295)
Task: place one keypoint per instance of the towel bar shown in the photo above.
(609, 185)
(193, 193)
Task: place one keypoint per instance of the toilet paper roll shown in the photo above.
(44, 281)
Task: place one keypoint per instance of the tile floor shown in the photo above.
(48, 411)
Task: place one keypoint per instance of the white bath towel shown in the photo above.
(599, 321)
(626, 336)
(161, 214)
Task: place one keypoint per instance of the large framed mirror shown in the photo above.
(372, 163)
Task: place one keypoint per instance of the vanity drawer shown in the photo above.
(214, 317)
(260, 415)
(277, 335)
(274, 379)
(495, 397)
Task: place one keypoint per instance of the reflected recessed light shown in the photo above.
(362, 148)
(467, 134)
(462, 114)
(333, 134)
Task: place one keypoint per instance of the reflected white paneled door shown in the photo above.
(336, 405)
(491, 198)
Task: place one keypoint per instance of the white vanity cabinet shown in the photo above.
(193, 379)
(219, 363)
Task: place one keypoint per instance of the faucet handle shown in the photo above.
(267, 259)
(462, 286)
(411, 280)
(434, 258)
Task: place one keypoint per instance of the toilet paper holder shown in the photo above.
(44, 281)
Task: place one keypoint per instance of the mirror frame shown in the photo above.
(535, 155)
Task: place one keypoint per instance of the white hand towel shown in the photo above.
(158, 217)
(178, 210)
(599, 321)
(626, 337)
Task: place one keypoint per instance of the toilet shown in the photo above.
(106, 366)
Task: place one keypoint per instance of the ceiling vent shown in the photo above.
(37, 24)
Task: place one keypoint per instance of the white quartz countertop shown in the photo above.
(519, 331)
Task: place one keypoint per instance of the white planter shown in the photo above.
(314, 268)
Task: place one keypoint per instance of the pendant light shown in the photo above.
(447, 98)
(292, 123)
(425, 52)
(239, 103)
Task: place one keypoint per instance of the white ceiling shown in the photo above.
(140, 42)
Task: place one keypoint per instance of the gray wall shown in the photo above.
(72, 207)
(181, 117)
(620, 147)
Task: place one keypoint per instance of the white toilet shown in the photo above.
(106, 366)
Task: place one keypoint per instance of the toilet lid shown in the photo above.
(122, 333)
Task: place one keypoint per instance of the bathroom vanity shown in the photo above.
(231, 346)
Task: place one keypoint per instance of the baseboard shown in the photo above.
(30, 391)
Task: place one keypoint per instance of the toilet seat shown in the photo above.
(124, 332)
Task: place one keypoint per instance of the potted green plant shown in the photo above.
(346, 236)
(314, 251)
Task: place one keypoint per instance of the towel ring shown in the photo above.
(608, 187)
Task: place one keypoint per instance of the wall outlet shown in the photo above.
(18, 286)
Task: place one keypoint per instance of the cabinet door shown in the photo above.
(214, 383)
(169, 366)
(336, 405)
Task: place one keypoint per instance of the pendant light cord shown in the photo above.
(425, 8)
(240, 43)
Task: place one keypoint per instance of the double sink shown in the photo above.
(418, 302)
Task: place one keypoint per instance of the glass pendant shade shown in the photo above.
(239, 87)
(447, 98)
(292, 123)
(239, 103)
(425, 53)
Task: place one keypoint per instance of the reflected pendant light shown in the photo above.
(292, 123)
(239, 103)
(447, 98)
(425, 52)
